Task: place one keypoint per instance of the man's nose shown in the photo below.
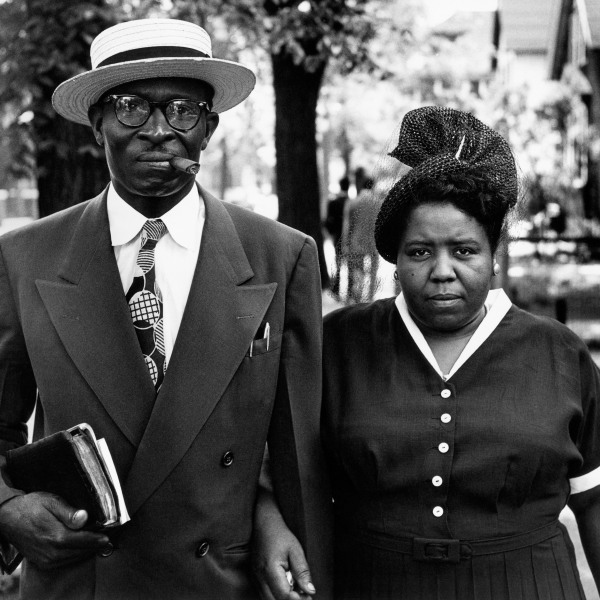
(157, 128)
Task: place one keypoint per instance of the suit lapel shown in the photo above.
(90, 314)
(220, 320)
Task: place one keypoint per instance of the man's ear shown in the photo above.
(212, 122)
(95, 115)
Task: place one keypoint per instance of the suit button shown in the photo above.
(106, 551)
(202, 549)
(227, 459)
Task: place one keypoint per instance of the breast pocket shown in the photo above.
(264, 345)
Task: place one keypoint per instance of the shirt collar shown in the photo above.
(497, 305)
(125, 222)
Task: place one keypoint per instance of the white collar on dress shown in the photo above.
(126, 223)
(497, 304)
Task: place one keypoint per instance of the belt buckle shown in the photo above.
(440, 550)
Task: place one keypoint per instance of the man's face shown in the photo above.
(138, 157)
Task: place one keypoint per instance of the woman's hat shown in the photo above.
(149, 48)
(435, 142)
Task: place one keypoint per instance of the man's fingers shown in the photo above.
(75, 520)
(66, 514)
(48, 531)
(273, 582)
(265, 592)
(78, 519)
(280, 584)
(300, 572)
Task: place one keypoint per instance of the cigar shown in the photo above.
(185, 165)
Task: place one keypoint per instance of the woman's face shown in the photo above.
(445, 266)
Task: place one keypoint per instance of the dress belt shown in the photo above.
(450, 550)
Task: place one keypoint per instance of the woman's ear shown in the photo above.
(95, 115)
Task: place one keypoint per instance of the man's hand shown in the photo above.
(279, 563)
(47, 531)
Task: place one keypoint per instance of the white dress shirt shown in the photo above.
(176, 253)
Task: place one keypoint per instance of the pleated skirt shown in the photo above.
(545, 571)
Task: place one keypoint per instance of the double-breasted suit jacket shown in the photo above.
(189, 461)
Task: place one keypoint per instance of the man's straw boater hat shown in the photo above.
(149, 48)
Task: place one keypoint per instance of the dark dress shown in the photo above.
(490, 458)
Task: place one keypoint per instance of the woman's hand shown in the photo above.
(279, 563)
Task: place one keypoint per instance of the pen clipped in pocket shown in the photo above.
(264, 341)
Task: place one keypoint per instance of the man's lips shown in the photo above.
(155, 156)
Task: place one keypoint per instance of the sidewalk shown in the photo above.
(587, 581)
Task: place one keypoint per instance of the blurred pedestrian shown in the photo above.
(359, 246)
(334, 224)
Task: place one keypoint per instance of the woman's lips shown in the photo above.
(445, 297)
(444, 300)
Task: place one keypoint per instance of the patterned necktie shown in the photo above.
(145, 304)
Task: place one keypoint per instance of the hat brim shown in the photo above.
(231, 81)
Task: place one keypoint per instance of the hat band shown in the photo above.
(152, 52)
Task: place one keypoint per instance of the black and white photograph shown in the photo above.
(299, 299)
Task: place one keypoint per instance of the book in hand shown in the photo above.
(76, 466)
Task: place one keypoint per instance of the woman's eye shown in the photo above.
(464, 251)
(419, 252)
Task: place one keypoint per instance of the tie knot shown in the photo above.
(154, 230)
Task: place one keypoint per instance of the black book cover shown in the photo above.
(52, 465)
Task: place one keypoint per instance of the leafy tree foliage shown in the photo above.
(43, 43)
(302, 38)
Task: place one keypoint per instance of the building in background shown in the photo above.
(544, 41)
(574, 57)
(523, 39)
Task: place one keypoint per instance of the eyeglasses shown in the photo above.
(134, 111)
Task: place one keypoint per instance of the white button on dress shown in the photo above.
(438, 511)
(443, 447)
(446, 418)
(437, 481)
(446, 393)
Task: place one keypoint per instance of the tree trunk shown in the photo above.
(70, 169)
(296, 96)
(70, 166)
(225, 180)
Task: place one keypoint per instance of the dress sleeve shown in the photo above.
(587, 436)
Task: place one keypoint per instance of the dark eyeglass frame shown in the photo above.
(113, 98)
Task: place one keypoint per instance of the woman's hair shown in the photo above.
(472, 192)
(453, 157)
